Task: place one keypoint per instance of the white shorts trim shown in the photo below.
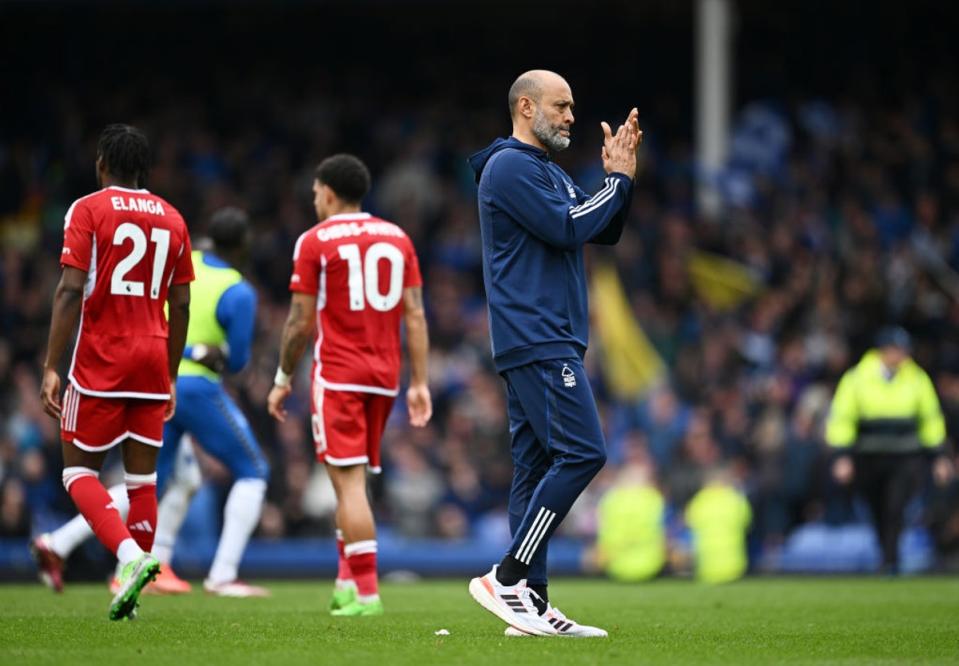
(146, 440)
(126, 435)
(116, 394)
(360, 388)
(346, 462)
(349, 462)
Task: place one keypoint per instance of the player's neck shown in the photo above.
(107, 181)
(344, 209)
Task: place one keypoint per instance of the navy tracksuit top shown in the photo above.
(534, 223)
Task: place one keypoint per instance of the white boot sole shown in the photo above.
(512, 632)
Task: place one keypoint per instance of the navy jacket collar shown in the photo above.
(479, 159)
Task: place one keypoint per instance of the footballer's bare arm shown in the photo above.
(178, 299)
(67, 302)
(418, 400)
(297, 333)
(179, 320)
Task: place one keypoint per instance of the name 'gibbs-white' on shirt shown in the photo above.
(357, 266)
(132, 245)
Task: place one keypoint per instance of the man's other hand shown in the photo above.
(171, 403)
(419, 404)
(842, 470)
(50, 393)
(274, 402)
(619, 150)
(943, 470)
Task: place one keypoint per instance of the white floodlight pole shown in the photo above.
(714, 58)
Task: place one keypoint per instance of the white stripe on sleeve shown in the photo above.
(595, 202)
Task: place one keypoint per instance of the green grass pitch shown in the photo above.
(756, 621)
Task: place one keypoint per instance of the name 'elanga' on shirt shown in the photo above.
(350, 229)
(137, 204)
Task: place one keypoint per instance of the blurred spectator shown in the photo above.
(413, 488)
(631, 535)
(718, 516)
(14, 517)
(885, 423)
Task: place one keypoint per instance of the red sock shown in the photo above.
(95, 504)
(343, 573)
(361, 557)
(142, 519)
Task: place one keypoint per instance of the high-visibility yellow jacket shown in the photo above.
(631, 538)
(718, 516)
(210, 285)
(874, 413)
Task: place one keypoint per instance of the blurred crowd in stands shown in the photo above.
(839, 217)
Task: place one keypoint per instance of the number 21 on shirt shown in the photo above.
(128, 231)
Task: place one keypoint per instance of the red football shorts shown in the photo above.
(348, 426)
(97, 424)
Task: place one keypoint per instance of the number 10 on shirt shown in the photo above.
(364, 276)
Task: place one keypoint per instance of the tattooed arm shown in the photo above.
(297, 333)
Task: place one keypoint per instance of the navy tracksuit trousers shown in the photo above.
(557, 449)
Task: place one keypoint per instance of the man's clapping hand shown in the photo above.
(619, 150)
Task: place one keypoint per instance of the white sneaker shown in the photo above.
(564, 626)
(513, 604)
(235, 588)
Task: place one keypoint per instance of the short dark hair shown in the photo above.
(229, 227)
(126, 153)
(346, 175)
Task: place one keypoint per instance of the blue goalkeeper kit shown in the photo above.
(534, 223)
(222, 312)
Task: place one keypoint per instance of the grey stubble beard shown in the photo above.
(549, 135)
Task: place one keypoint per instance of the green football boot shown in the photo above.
(134, 577)
(357, 608)
(342, 598)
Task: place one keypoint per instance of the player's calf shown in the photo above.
(142, 517)
(361, 557)
(240, 517)
(94, 502)
(355, 518)
(344, 589)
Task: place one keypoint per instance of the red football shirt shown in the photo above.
(133, 245)
(357, 266)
